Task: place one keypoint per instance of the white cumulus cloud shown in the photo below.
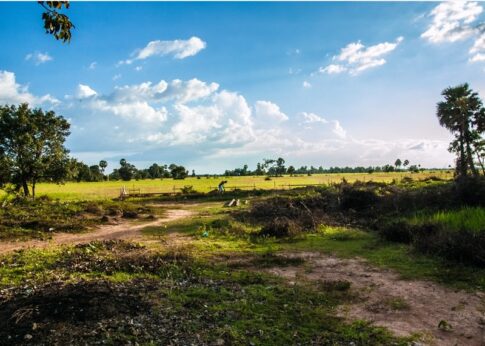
(13, 93)
(310, 118)
(332, 69)
(356, 57)
(269, 109)
(456, 21)
(179, 49)
(451, 21)
(84, 91)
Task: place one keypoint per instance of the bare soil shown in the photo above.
(403, 306)
(124, 230)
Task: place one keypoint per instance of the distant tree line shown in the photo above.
(79, 171)
(276, 168)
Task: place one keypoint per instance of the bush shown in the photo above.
(396, 231)
(188, 189)
(463, 246)
(280, 227)
(466, 246)
(470, 191)
(357, 199)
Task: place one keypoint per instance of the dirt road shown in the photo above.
(125, 230)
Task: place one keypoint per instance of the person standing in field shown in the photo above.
(221, 186)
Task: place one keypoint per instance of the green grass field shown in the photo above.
(111, 189)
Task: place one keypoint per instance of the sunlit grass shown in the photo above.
(467, 218)
(111, 189)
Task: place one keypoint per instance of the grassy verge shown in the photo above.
(467, 218)
(24, 219)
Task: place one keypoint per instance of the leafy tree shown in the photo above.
(291, 170)
(155, 171)
(414, 169)
(56, 23)
(280, 166)
(259, 169)
(83, 172)
(102, 165)
(126, 171)
(480, 153)
(178, 172)
(5, 170)
(463, 114)
(387, 168)
(405, 163)
(398, 164)
(32, 145)
(96, 174)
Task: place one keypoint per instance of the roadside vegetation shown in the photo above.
(41, 218)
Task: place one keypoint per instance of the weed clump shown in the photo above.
(280, 227)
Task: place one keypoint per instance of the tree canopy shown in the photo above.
(32, 146)
(463, 114)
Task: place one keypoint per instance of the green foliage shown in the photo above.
(56, 23)
(32, 146)
(463, 114)
(466, 218)
(178, 172)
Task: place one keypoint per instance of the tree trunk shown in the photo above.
(470, 160)
(463, 162)
(480, 162)
(25, 186)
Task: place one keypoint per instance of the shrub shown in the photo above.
(463, 246)
(396, 231)
(188, 189)
(470, 191)
(280, 227)
(357, 199)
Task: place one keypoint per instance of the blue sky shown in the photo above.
(218, 85)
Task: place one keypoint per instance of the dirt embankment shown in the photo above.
(403, 306)
(125, 230)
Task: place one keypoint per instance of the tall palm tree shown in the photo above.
(463, 114)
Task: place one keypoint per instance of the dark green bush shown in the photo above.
(280, 227)
(396, 231)
(357, 199)
(462, 246)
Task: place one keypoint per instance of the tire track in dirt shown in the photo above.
(423, 303)
(124, 230)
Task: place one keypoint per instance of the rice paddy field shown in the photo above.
(72, 191)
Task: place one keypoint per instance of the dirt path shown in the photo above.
(124, 230)
(402, 306)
